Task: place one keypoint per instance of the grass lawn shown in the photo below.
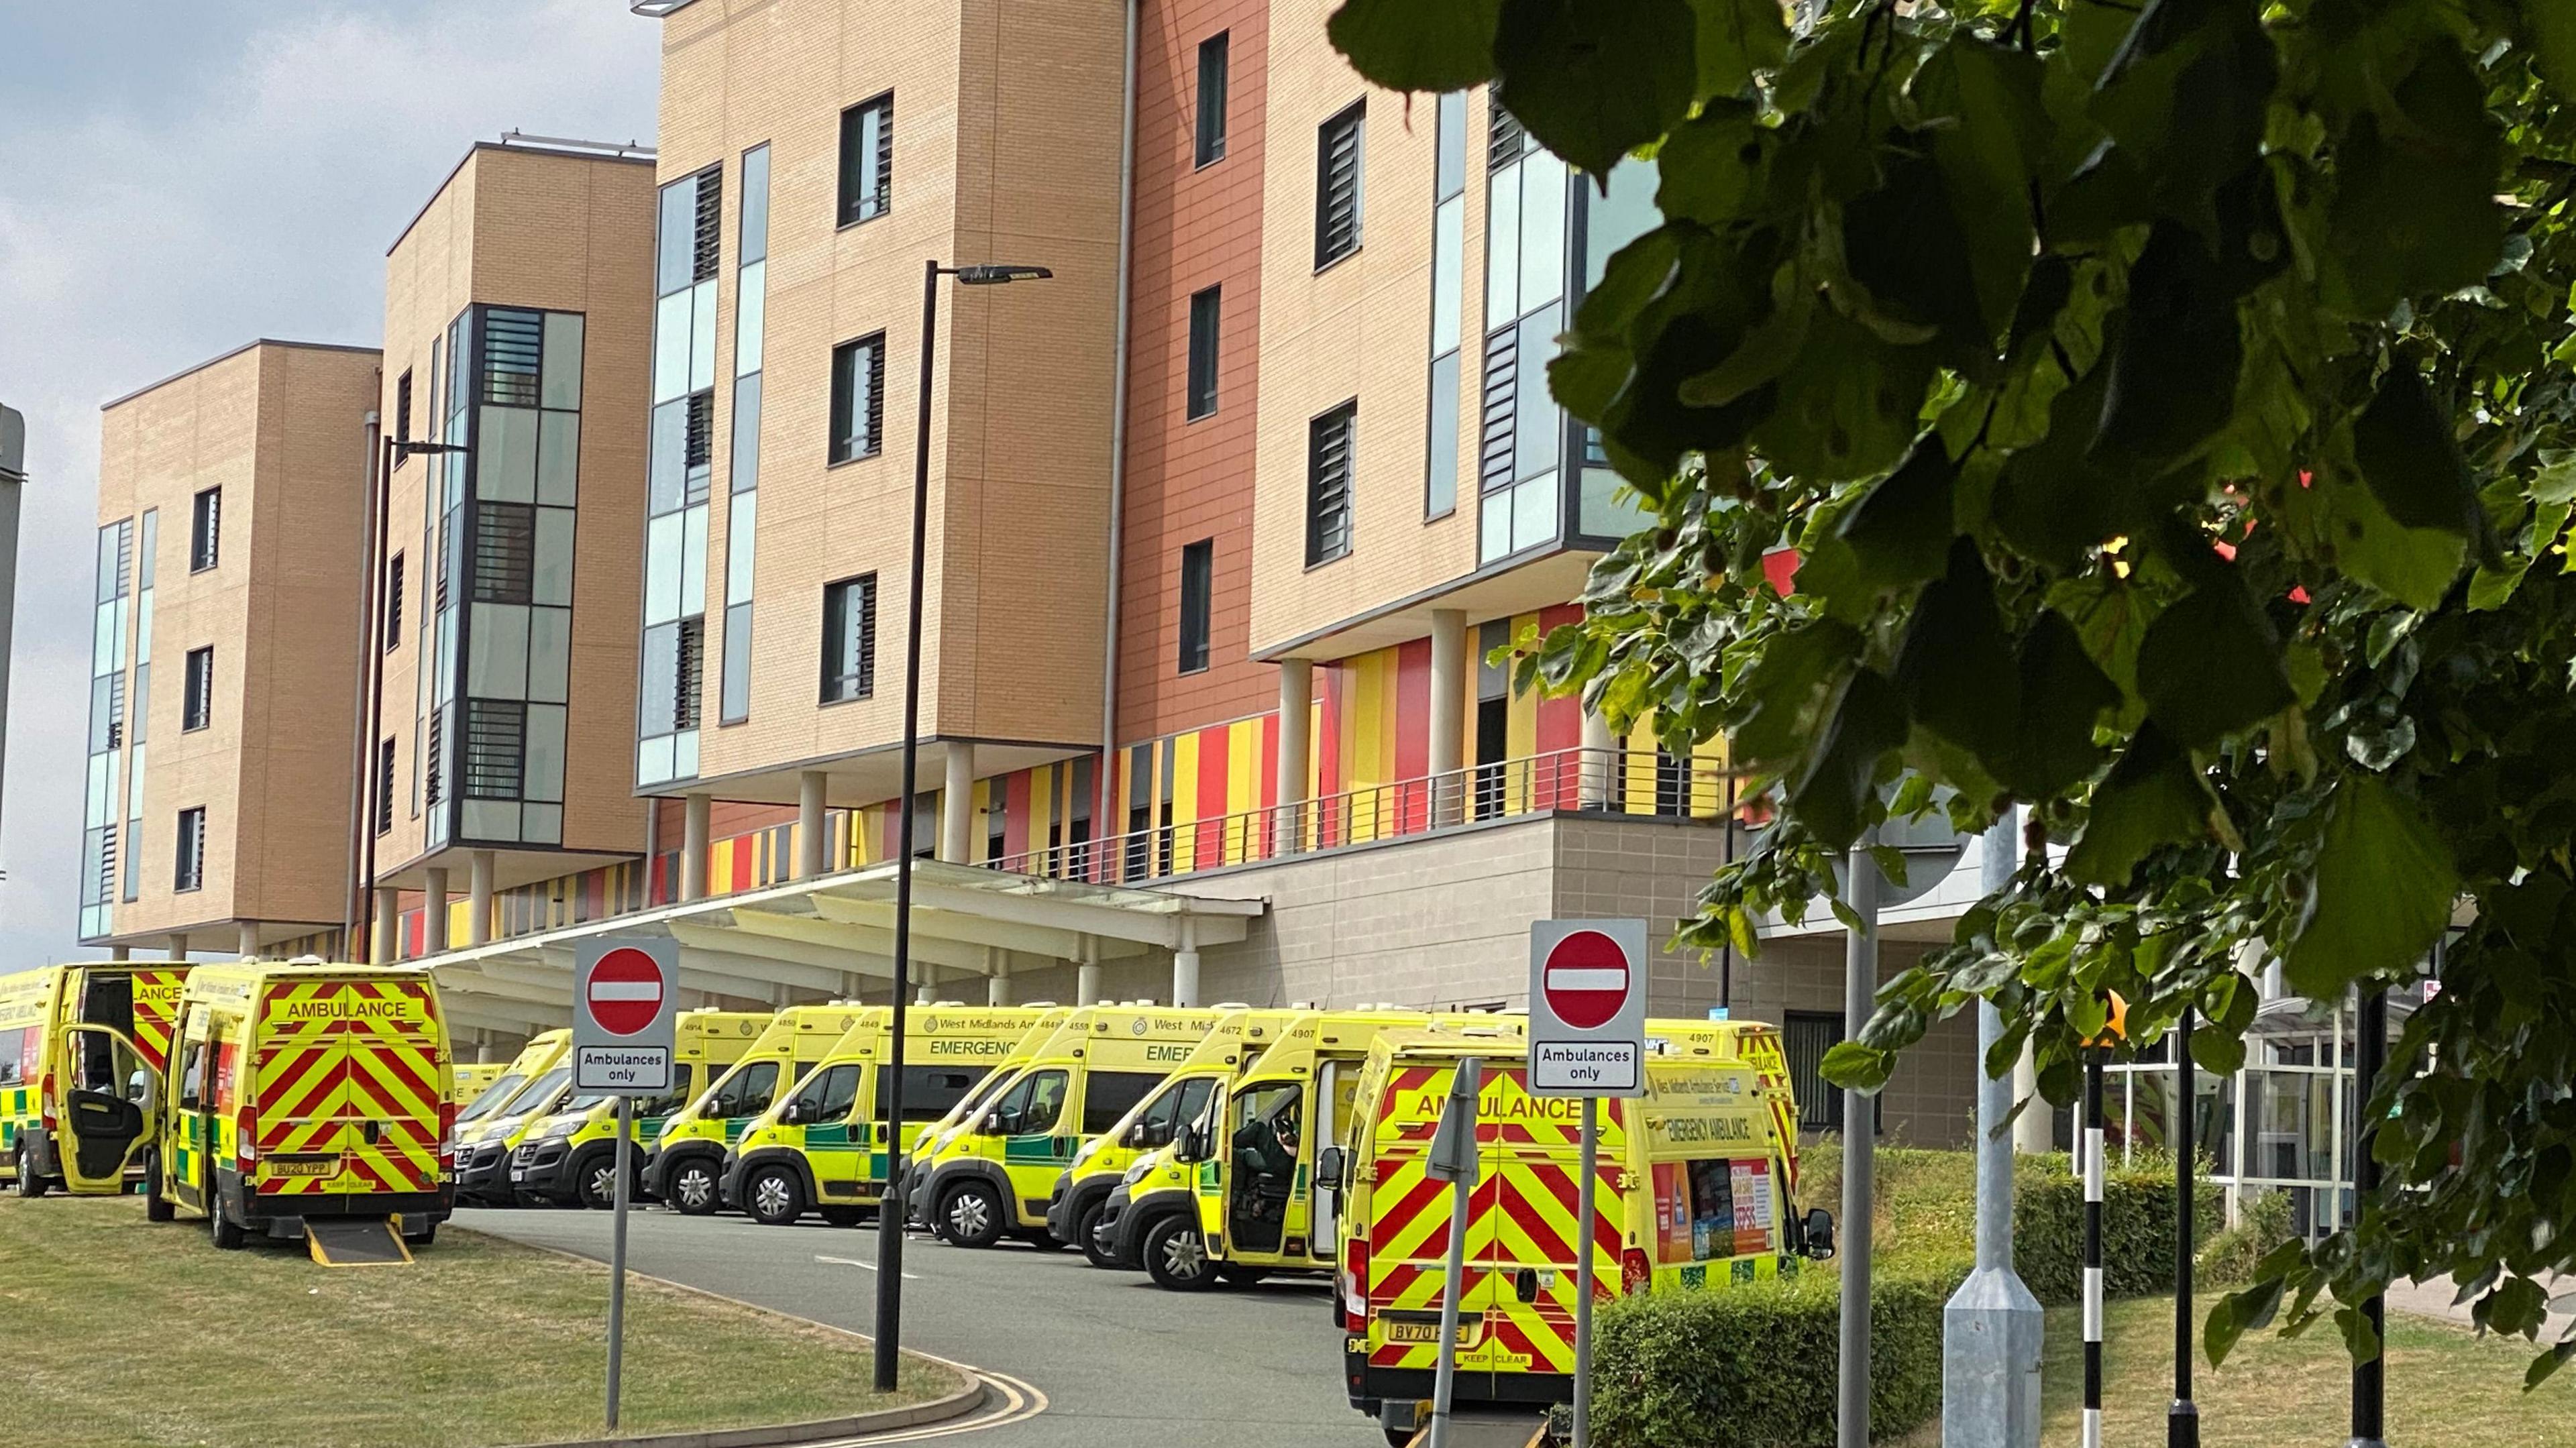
(123, 1333)
(2446, 1387)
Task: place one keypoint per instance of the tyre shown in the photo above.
(1086, 1235)
(1400, 1437)
(1176, 1255)
(843, 1216)
(156, 1207)
(594, 1180)
(1241, 1276)
(970, 1214)
(773, 1196)
(426, 1236)
(29, 1184)
(690, 1188)
(220, 1225)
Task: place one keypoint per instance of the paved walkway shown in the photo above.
(2433, 1299)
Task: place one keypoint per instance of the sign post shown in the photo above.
(1587, 1039)
(1453, 1160)
(623, 998)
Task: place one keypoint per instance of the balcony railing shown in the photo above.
(1601, 781)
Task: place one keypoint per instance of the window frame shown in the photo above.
(188, 868)
(866, 586)
(843, 202)
(839, 407)
(1355, 116)
(1208, 141)
(1197, 403)
(1345, 415)
(402, 407)
(1196, 611)
(393, 602)
(196, 691)
(206, 530)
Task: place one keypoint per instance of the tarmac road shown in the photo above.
(1121, 1361)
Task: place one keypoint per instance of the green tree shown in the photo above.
(2170, 404)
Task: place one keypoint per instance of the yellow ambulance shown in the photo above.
(934, 1138)
(994, 1174)
(1084, 1193)
(570, 1158)
(472, 1077)
(1690, 1192)
(684, 1163)
(1200, 1213)
(80, 1046)
(489, 1129)
(821, 1148)
(303, 1090)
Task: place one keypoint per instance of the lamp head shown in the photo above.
(994, 274)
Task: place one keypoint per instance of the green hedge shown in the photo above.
(1754, 1366)
(2137, 1226)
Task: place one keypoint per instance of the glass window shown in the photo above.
(746, 1090)
(492, 1098)
(668, 481)
(1542, 218)
(858, 398)
(544, 776)
(751, 318)
(702, 338)
(672, 327)
(693, 560)
(1213, 61)
(755, 204)
(189, 873)
(1619, 218)
(559, 458)
(1109, 1095)
(828, 1095)
(562, 386)
(867, 159)
(1198, 562)
(205, 538)
(849, 639)
(550, 654)
(662, 569)
(1502, 247)
(550, 579)
(1206, 309)
(1440, 493)
(1338, 167)
(1537, 423)
(659, 696)
(198, 708)
(930, 1091)
(505, 464)
(1330, 442)
(736, 702)
(1451, 171)
(679, 236)
(1448, 268)
(746, 433)
(1031, 1106)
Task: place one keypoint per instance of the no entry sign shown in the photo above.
(623, 997)
(1587, 1002)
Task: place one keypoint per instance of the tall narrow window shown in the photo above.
(512, 346)
(189, 871)
(402, 408)
(692, 672)
(505, 552)
(850, 639)
(867, 159)
(384, 786)
(496, 733)
(1206, 311)
(393, 603)
(1330, 441)
(1198, 562)
(1448, 297)
(205, 530)
(858, 398)
(198, 703)
(1337, 185)
(1212, 69)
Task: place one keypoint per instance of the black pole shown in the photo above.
(890, 1206)
(2182, 1422)
(379, 503)
(2370, 1056)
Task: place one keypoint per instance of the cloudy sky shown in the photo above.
(179, 178)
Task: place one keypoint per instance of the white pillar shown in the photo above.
(249, 940)
(997, 984)
(388, 925)
(478, 899)
(1296, 714)
(1448, 706)
(957, 806)
(120, 952)
(812, 832)
(434, 930)
(1185, 967)
(176, 947)
(693, 846)
(2035, 1130)
(1600, 763)
(1086, 976)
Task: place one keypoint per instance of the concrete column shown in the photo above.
(693, 847)
(434, 932)
(997, 983)
(388, 925)
(1185, 968)
(1296, 715)
(1448, 705)
(478, 900)
(120, 952)
(1086, 975)
(176, 947)
(1600, 763)
(813, 831)
(482, 1048)
(249, 940)
(957, 806)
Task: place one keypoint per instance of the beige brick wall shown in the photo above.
(279, 428)
(1005, 149)
(521, 227)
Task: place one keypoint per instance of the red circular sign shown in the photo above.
(1587, 979)
(626, 990)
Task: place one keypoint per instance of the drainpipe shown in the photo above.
(1101, 828)
(356, 896)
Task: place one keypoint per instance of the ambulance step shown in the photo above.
(1488, 1428)
(356, 1242)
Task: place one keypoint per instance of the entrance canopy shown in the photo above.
(832, 938)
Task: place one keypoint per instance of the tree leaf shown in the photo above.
(1868, 723)
(2415, 566)
(2063, 696)
(1988, 154)
(2414, 206)
(2217, 1052)
(2187, 96)
(1900, 533)
(2382, 892)
(1786, 685)
(1905, 244)
(1956, 666)
(1849, 406)
(2210, 665)
(2173, 376)
(2150, 798)
(1593, 82)
(2407, 455)
(1716, 163)
(1737, 38)
(1418, 45)
(1855, 1067)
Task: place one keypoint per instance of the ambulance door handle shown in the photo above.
(1525, 1284)
(371, 1129)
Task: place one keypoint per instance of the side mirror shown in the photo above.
(1328, 1168)
(991, 1125)
(791, 1114)
(1190, 1145)
(1139, 1134)
(1820, 1233)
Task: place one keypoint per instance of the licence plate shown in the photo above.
(312, 1167)
(1413, 1332)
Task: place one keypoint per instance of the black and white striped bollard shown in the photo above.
(2092, 1165)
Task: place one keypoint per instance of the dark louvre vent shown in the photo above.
(710, 242)
(495, 740)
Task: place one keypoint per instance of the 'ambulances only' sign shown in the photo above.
(624, 994)
(1587, 1008)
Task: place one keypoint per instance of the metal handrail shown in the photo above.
(1607, 781)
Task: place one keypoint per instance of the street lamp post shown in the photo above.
(397, 450)
(891, 1208)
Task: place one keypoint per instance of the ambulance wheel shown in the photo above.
(970, 1214)
(595, 1180)
(1177, 1256)
(156, 1207)
(1241, 1276)
(426, 1236)
(29, 1184)
(692, 1187)
(772, 1197)
(843, 1216)
(1086, 1235)
(1401, 1437)
(220, 1225)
